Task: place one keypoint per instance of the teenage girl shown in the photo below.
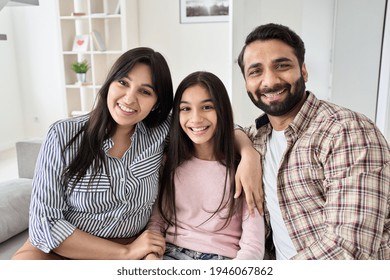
(197, 212)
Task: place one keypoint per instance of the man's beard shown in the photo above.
(279, 108)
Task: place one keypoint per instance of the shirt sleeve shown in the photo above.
(251, 131)
(252, 239)
(357, 182)
(47, 226)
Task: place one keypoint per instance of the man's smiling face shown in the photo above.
(275, 82)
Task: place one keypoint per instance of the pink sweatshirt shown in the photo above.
(199, 188)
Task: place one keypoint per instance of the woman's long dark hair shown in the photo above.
(180, 147)
(102, 126)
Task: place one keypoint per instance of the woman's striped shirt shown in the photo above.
(114, 205)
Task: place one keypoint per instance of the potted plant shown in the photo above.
(81, 69)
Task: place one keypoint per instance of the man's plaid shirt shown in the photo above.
(333, 182)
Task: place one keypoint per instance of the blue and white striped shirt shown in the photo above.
(114, 206)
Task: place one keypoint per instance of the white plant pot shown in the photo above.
(81, 77)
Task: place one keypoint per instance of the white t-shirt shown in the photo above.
(276, 146)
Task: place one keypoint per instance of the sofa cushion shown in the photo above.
(27, 153)
(14, 207)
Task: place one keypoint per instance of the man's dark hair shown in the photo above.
(273, 31)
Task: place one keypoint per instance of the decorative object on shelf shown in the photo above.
(118, 8)
(204, 11)
(80, 43)
(83, 18)
(98, 40)
(78, 14)
(81, 69)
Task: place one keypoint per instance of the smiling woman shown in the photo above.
(132, 98)
(105, 159)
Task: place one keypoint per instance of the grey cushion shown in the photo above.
(9, 248)
(27, 153)
(14, 207)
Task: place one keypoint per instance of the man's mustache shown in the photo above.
(276, 88)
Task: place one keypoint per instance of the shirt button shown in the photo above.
(122, 180)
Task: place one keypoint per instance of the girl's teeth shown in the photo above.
(198, 128)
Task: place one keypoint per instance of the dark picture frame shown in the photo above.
(198, 11)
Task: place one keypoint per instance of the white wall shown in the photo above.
(187, 47)
(11, 115)
(31, 91)
(383, 108)
(357, 54)
(39, 69)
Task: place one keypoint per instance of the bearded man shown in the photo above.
(326, 169)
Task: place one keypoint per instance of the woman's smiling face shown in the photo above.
(131, 98)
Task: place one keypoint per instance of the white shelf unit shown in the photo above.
(97, 15)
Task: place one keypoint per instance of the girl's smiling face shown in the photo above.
(198, 117)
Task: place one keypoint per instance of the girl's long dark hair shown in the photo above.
(180, 147)
(101, 126)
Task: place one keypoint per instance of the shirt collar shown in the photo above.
(301, 120)
(261, 121)
(140, 128)
(305, 115)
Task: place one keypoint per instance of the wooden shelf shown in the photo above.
(99, 16)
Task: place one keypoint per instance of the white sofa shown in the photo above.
(15, 200)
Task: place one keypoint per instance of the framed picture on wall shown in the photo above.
(195, 11)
